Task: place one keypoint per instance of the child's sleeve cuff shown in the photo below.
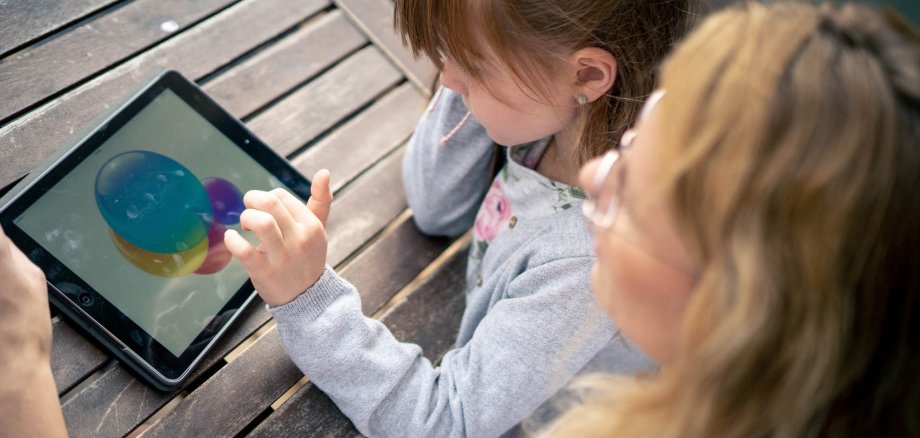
(311, 304)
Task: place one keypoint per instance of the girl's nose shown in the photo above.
(451, 78)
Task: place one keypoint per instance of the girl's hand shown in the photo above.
(291, 255)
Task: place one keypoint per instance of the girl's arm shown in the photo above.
(446, 169)
(526, 348)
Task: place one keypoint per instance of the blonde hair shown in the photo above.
(791, 157)
(531, 37)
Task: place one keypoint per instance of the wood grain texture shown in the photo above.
(285, 64)
(375, 17)
(73, 356)
(71, 365)
(39, 72)
(430, 317)
(322, 103)
(392, 262)
(73, 360)
(22, 21)
(372, 134)
(240, 391)
(76, 363)
(28, 140)
(231, 398)
(114, 402)
(364, 209)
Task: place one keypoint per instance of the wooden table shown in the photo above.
(325, 83)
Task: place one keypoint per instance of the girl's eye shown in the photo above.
(462, 69)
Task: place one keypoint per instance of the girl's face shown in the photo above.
(643, 275)
(511, 114)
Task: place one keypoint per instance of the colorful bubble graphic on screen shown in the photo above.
(162, 218)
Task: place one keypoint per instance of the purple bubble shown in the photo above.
(226, 200)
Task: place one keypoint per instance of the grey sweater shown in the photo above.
(530, 322)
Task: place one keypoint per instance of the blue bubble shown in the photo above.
(153, 202)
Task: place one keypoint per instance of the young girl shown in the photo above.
(556, 80)
(767, 240)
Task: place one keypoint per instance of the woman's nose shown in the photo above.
(586, 175)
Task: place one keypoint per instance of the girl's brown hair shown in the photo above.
(531, 37)
(791, 157)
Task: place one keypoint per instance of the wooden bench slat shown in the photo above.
(216, 42)
(310, 412)
(384, 200)
(38, 73)
(375, 17)
(24, 21)
(379, 276)
(430, 317)
(285, 64)
(391, 120)
(115, 402)
(71, 365)
(383, 268)
(322, 103)
(73, 356)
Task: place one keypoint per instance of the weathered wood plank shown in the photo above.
(310, 412)
(430, 317)
(263, 373)
(285, 64)
(391, 262)
(71, 365)
(369, 136)
(375, 17)
(28, 140)
(366, 204)
(114, 402)
(93, 410)
(322, 103)
(73, 356)
(37, 73)
(72, 362)
(23, 21)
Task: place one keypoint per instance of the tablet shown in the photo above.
(128, 226)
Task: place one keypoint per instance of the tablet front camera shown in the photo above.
(85, 299)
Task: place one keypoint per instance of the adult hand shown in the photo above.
(291, 254)
(26, 331)
(29, 404)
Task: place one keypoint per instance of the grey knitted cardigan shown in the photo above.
(530, 323)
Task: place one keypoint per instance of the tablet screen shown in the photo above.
(141, 219)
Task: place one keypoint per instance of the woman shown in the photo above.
(759, 233)
(762, 248)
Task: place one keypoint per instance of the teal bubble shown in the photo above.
(153, 202)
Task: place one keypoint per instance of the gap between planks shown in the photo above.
(394, 301)
(267, 327)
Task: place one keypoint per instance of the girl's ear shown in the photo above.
(595, 72)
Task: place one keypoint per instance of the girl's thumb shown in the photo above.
(320, 196)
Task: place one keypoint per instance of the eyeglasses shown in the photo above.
(602, 206)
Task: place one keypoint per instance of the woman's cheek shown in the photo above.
(607, 274)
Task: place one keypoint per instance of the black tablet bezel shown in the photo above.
(81, 302)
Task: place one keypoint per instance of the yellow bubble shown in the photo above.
(175, 264)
